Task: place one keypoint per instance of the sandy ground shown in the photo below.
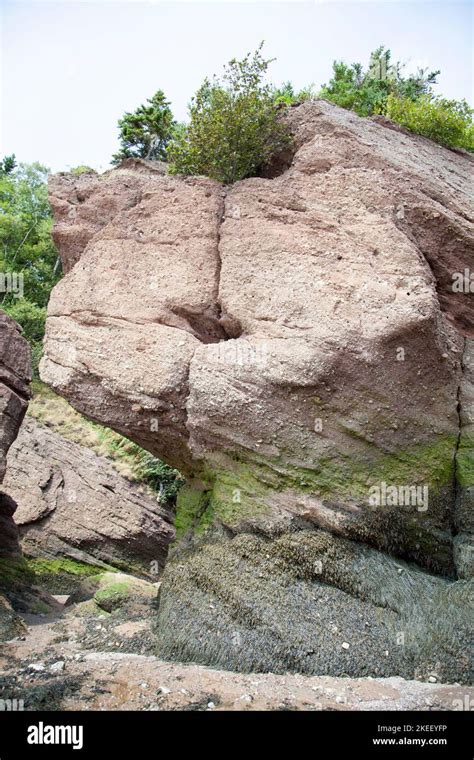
(53, 668)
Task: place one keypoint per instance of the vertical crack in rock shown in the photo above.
(456, 487)
(231, 326)
(463, 524)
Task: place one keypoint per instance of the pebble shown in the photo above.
(37, 666)
(345, 645)
(58, 666)
(210, 705)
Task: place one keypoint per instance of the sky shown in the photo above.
(70, 69)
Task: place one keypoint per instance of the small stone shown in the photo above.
(210, 705)
(432, 679)
(57, 667)
(36, 666)
(163, 690)
(345, 645)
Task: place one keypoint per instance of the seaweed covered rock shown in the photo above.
(111, 591)
(11, 624)
(312, 603)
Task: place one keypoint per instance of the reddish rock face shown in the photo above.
(73, 503)
(295, 344)
(15, 376)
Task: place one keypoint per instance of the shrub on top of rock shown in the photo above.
(448, 122)
(234, 126)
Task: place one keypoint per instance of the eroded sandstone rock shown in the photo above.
(294, 345)
(287, 345)
(15, 376)
(72, 503)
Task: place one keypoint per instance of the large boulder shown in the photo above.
(73, 503)
(15, 376)
(293, 344)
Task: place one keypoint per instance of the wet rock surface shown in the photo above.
(313, 603)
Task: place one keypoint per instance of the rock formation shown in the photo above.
(72, 503)
(15, 376)
(295, 346)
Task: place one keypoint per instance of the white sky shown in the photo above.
(70, 69)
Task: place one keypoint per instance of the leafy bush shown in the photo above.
(234, 126)
(286, 95)
(448, 122)
(366, 92)
(146, 132)
(159, 476)
(82, 169)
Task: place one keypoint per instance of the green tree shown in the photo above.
(8, 164)
(234, 126)
(146, 132)
(27, 251)
(366, 91)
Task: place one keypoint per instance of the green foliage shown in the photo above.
(366, 92)
(146, 132)
(448, 122)
(234, 126)
(82, 169)
(8, 164)
(286, 95)
(26, 247)
(162, 478)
